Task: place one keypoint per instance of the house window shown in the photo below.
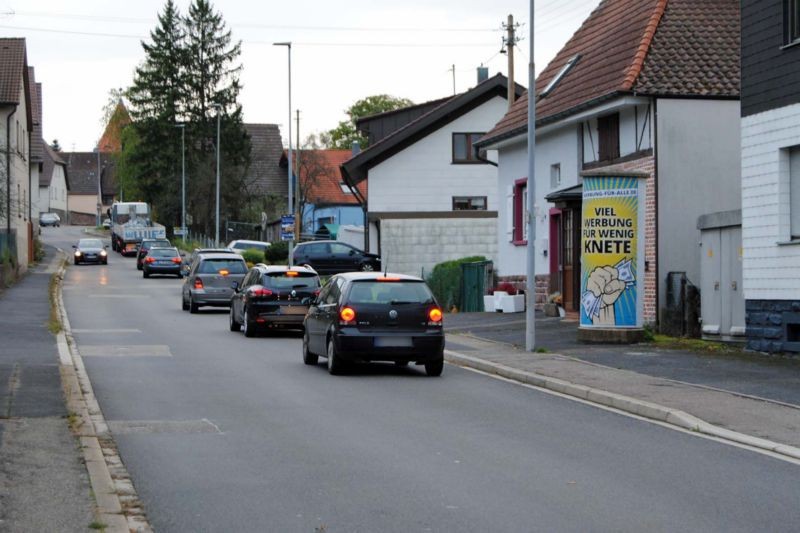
(469, 203)
(345, 189)
(555, 176)
(791, 20)
(608, 137)
(521, 212)
(794, 192)
(463, 148)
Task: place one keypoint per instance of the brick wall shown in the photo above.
(542, 286)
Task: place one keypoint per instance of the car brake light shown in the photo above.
(291, 274)
(176, 259)
(260, 293)
(317, 291)
(149, 259)
(346, 316)
(223, 272)
(198, 283)
(387, 278)
(434, 316)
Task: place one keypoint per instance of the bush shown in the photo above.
(278, 253)
(445, 281)
(253, 256)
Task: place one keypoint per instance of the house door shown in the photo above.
(721, 298)
(569, 239)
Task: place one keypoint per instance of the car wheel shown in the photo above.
(335, 364)
(367, 267)
(308, 357)
(434, 368)
(233, 324)
(77, 262)
(184, 304)
(401, 363)
(193, 307)
(145, 274)
(138, 266)
(247, 326)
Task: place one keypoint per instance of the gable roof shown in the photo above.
(36, 149)
(322, 179)
(50, 159)
(82, 171)
(14, 75)
(377, 126)
(646, 47)
(111, 140)
(355, 169)
(266, 148)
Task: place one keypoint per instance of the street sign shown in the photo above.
(287, 227)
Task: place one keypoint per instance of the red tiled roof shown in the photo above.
(654, 47)
(319, 174)
(12, 63)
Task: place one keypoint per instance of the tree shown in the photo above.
(343, 136)
(55, 146)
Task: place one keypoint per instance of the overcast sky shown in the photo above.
(341, 52)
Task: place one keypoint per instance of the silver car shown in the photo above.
(210, 280)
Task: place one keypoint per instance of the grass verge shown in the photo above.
(694, 345)
(54, 322)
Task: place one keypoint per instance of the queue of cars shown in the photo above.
(358, 315)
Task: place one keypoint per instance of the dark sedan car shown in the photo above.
(145, 246)
(333, 257)
(369, 317)
(165, 261)
(272, 297)
(90, 251)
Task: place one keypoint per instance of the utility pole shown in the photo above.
(453, 70)
(510, 41)
(297, 222)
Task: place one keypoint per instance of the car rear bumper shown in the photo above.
(159, 269)
(352, 345)
(279, 315)
(215, 299)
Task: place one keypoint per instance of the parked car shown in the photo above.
(162, 261)
(241, 245)
(187, 264)
(145, 246)
(90, 251)
(210, 279)
(272, 297)
(369, 317)
(334, 257)
(49, 219)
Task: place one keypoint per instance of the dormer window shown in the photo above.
(464, 151)
(558, 77)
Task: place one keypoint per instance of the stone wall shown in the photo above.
(766, 325)
(542, 286)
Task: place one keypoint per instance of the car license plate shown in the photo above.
(393, 342)
(293, 310)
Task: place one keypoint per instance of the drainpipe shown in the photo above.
(8, 176)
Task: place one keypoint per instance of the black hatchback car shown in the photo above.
(368, 316)
(334, 257)
(90, 251)
(272, 297)
(145, 246)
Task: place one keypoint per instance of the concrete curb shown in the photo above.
(107, 475)
(623, 403)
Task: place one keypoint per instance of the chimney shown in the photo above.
(356, 148)
(483, 74)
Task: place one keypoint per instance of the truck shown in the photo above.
(130, 223)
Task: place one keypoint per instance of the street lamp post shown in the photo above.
(218, 107)
(530, 286)
(183, 179)
(99, 189)
(288, 46)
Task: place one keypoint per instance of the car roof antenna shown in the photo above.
(386, 266)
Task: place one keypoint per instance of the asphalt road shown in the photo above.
(224, 433)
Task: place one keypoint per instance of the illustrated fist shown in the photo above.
(605, 285)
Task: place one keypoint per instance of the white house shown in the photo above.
(53, 184)
(771, 173)
(431, 198)
(645, 86)
(16, 123)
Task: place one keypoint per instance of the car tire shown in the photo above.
(247, 326)
(193, 307)
(184, 304)
(367, 267)
(435, 368)
(105, 262)
(77, 262)
(335, 364)
(308, 357)
(232, 323)
(401, 363)
(138, 266)
(145, 274)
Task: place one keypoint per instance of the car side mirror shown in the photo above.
(235, 286)
(352, 252)
(74, 246)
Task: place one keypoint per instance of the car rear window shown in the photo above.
(249, 245)
(154, 243)
(212, 266)
(280, 280)
(390, 292)
(162, 252)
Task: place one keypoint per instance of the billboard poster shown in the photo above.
(612, 252)
(287, 227)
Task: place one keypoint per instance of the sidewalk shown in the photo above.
(44, 485)
(751, 395)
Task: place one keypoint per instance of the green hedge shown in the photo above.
(253, 255)
(278, 253)
(445, 281)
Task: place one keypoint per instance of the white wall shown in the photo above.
(559, 146)
(423, 178)
(58, 191)
(771, 264)
(20, 167)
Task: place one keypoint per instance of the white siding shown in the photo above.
(771, 270)
(59, 185)
(423, 178)
(559, 146)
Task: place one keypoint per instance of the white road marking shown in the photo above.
(117, 350)
(118, 296)
(106, 331)
(127, 427)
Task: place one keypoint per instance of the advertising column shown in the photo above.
(612, 257)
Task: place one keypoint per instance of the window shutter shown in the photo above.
(510, 215)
